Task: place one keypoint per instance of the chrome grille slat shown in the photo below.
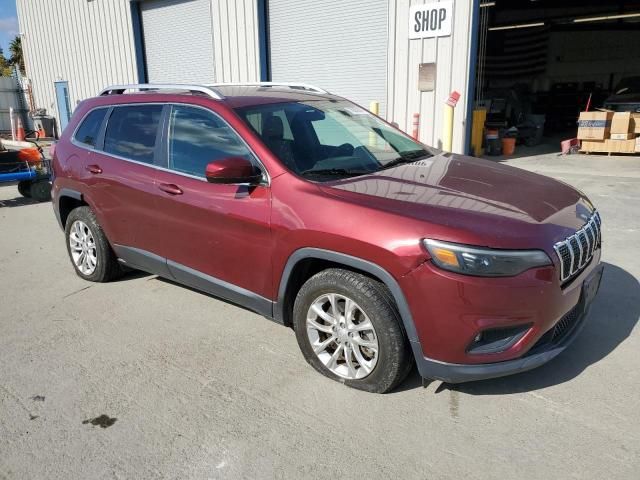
(576, 251)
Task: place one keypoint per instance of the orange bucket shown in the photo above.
(508, 146)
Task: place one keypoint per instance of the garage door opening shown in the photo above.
(540, 63)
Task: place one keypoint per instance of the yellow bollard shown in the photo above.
(374, 107)
(447, 128)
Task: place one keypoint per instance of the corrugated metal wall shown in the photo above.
(178, 40)
(89, 44)
(235, 40)
(452, 57)
(337, 45)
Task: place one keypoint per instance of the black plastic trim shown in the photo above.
(142, 260)
(64, 192)
(220, 288)
(152, 263)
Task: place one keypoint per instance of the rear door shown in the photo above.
(212, 235)
(120, 176)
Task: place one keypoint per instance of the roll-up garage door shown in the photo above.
(178, 40)
(338, 45)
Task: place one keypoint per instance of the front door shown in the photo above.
(63, 103)
(213, 236)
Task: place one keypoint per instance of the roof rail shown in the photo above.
(292, 85)
(120, 89)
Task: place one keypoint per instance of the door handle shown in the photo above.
(170, 188)
(94, 169)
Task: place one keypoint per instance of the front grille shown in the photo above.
(576, 251)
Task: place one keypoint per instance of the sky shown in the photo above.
(8, 24)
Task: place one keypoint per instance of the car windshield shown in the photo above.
(628, 85)
(324, 139)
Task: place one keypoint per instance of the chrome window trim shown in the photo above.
(80, 144)
(83, 146)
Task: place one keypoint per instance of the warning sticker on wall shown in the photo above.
(433, 19)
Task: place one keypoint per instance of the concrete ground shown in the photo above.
(145, 379)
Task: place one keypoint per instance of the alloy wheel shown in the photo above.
(342, 336)
(83, 248)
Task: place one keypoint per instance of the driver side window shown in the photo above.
(198, 137)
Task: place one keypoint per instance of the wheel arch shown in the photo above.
(307, 261)
(68, 200)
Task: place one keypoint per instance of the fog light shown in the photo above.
(497, 340)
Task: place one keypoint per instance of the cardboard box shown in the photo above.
(611, 146)
(622, 136)
(635, 121)
(621, 122)
(593, 146)
(621, 146)
(594, 125)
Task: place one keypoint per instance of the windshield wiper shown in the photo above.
(407, 157)
(335, 171)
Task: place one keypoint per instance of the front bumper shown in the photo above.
(540, 346)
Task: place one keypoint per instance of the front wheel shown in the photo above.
(348, 328)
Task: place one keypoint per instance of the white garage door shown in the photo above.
(178, 40)
(338, 45)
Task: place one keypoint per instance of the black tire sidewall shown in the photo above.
(41, 191)
(104, 254)
(391, 366)
(24, 188)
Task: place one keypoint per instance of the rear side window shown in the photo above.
(89, 129)
(198, 137)
(132, 130)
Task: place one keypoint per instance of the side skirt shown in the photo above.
(149, 262)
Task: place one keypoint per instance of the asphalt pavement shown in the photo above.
(145, 379)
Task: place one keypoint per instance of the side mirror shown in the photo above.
(233, 170)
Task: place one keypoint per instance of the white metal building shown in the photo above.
(359, 49)
(408, 55)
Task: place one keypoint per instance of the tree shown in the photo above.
(15, 48)
(5, 65)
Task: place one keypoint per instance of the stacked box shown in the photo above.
(609, 132)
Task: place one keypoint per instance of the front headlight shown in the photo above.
(484, 262)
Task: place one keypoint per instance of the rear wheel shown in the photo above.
(24, 187)
(348, 329)
(88, 247)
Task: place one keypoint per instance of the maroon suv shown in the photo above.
(379, 251)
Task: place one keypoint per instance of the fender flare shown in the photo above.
(359, 264)
(65, 192)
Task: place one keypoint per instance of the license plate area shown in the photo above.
(591, 285)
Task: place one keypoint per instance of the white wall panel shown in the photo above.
(337, 45)
(178, 41)
(89, 44)
(452, 57)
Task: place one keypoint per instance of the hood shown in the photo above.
(630, 100)
(480, 197)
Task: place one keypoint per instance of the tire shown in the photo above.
(383, 368)
(24, 187)
(41, 191)
(98, 250)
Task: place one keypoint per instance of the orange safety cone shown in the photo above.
(20, 136)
